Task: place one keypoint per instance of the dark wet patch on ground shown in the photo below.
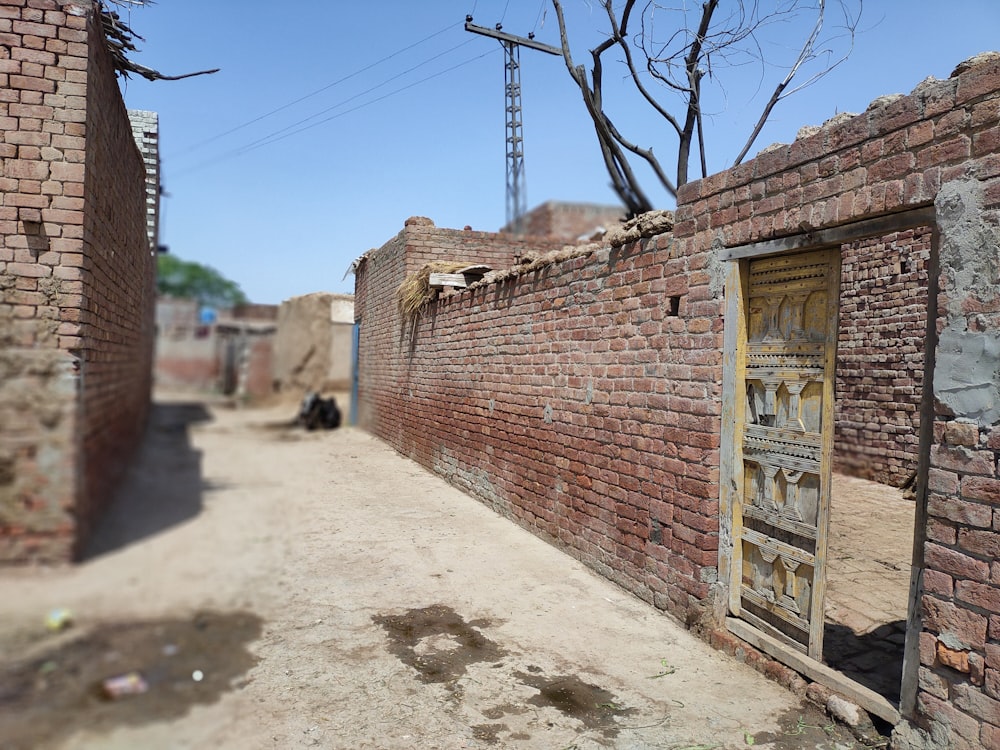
(437, 642)
(595, 707)
(57, 692)
(488, 733)
(498, 712)
(807, 727)
(440, 646)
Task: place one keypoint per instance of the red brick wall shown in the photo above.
(880, 355)
(426, 242)
(189, 365)
(384, 340)
(75, 267)
(606, 445)
(254, 311)
(941, 146)
(259, 367)
(191, 356)
(117, 321)
(569, 221)
(960, 645)
(573, 399)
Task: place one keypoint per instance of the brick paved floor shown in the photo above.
(868, 578)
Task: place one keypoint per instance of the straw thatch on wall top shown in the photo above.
(416, 290)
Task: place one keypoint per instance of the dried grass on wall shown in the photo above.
(415, 291)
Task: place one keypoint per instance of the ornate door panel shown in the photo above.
(781, 513)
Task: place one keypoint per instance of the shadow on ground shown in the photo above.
(164, 485)
(874, 659)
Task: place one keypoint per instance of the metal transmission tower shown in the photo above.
(516, 194)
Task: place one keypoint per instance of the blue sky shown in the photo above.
(282, 201)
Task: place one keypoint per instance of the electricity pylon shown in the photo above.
(516, 193)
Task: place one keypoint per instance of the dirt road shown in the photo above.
(272, 588)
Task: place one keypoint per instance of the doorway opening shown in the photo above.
(880, 371)
(826, 419)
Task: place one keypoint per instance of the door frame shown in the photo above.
(736, 262)
(355, 360)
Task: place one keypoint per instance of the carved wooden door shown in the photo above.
(781, 514)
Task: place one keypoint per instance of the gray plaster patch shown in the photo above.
(967, 374)
(970, 247)
(547, 414)
(967, 368)
(717, 268)
(906, 736)
(953, 642)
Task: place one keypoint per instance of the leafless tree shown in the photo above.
(681, 45)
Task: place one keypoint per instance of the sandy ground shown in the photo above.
(277, 589)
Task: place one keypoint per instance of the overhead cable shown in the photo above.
(315, 92)
(280, 135)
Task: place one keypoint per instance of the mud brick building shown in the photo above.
(313, 346)
(669, 407)
(77, 279)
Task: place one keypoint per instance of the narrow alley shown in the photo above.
(276, 588)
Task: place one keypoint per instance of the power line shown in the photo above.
(540, 17)
(274, 138)
(320, 90)
(359, 95)
(258, 144)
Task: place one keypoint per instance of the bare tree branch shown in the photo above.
(807, 53)
(694, 74)
(119, 37)
(623, 179)
(618, 37)
(701, 39)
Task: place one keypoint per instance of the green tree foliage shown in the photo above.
(189, 280)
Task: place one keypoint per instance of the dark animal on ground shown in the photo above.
(317, 412)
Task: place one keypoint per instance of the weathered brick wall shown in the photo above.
(941, 146)
(119, 289)
(426, 243)
(604, 444)
(233, 356)
(880, 356)
(76, 274)
(258, 379)
(960, 645)
(381, 344)
(146, 133)
(384, 339)
(255, 311)
(187, 352)
(583, 400)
